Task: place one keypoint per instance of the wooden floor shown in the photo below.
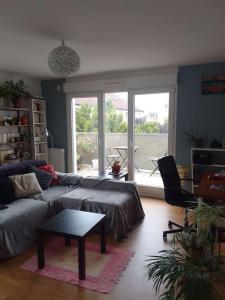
(146, 239)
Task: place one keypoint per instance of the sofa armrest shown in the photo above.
(68, 178)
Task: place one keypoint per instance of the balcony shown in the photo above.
(148, 146)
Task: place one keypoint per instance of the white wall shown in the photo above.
(32, 85)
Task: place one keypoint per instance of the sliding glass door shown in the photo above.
(85, 135)
(152, 136)
(115, 128)
(135, 127)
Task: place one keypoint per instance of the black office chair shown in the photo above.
(174, 194)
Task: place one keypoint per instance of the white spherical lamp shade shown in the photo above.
(63, 61)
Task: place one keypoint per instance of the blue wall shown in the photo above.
(205, 113)
(52, 91)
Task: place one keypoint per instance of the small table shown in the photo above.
(71, 224)
(114, 176)
(123, 153)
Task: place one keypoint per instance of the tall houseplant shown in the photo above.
(190, 270)
(14, 91)
(193, 138)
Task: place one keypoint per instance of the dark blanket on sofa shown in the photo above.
(119, 200)
(18, 225)
(20, 167)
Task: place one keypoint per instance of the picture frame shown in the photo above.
(213, 84)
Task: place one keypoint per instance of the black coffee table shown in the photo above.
(71, 224)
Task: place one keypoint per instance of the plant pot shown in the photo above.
(24, 120)
(17, 103)
(116, 169)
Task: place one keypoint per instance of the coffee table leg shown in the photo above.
(103, 237)
(81, 258)
(40, 250)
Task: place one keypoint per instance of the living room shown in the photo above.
(132, 57)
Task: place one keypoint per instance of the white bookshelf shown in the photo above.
(14, 132)
(39, 143)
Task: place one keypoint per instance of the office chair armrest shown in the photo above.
(187, 179)
(190, 194)
(172, 188)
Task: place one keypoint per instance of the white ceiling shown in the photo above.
(111, 35)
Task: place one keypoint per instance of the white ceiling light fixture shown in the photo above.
(63, 61)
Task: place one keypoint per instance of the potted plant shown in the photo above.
(15, 91)
(191, 270)
(116, 167)
(193, 138)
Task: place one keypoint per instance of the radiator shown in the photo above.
(56, 157)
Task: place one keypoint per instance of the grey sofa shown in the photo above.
(118, 200)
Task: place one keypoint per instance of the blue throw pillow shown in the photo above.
(43, 178)
(7, 194)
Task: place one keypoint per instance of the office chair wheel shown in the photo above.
(170, 225)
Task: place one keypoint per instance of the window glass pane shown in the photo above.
(151, 136)
(116, 123)
(86, 135)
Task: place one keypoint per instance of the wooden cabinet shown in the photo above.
(206, 160)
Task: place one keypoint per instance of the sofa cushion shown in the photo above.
(52, 197)
(25, 185)
(108, 184)
(102, 198)
(7, 194)
(68, 179)
(44, 178)
(18, 225)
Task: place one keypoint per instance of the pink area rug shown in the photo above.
(61, 263)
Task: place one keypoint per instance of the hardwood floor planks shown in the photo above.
(146, 239)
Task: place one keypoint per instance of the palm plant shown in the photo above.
(190, 270)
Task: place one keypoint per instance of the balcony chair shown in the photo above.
(110, 157)
(154, 161)
(174, 194)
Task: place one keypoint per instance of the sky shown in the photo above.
(149, 102)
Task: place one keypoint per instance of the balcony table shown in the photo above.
(123, 153)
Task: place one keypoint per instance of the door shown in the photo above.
(85, 135)
(136, 127)
(152, 135)
(115, 128)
